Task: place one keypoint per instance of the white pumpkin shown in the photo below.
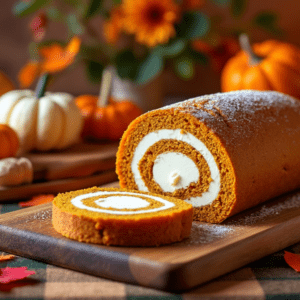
(50, 122)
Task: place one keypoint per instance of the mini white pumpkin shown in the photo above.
(50, 122)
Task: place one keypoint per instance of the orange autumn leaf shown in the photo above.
(37, 200)
(57, 58)
(293, 260)
(6, 257)
(29, 73)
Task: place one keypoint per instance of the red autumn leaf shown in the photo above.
(6, 257)
(37, 200)
(293, 260)
(8, 274)
(15, 284)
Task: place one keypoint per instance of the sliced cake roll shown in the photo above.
(121, 217)
(223, 153)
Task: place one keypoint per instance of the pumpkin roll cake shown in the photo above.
(121, 217)
(222, 153)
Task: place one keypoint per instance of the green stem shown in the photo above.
(41, 85)
(245, 45)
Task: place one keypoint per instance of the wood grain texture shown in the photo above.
(79, 160)
(80, 166)
(56, 186)
(210, 251)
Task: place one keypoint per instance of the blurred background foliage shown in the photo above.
(198, 38)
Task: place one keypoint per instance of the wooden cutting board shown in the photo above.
(82, 165)
(210, 251)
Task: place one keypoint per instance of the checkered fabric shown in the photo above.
(267, 278)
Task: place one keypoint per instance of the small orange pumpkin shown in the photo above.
(271, 65)
(106, 122)
(6, 84)
(9, 141)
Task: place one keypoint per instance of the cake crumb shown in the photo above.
(174, 178)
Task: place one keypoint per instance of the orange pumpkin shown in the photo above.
(271, 65)
(106, 122)
(9, 141)
(6, 84)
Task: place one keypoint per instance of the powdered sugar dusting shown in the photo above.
(242, 114)
(290, 202)
(202, 233)
(243, 100)
(205, 233)
(42, 215)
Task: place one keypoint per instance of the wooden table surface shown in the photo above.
(266, 278)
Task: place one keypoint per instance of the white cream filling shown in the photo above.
(176, 134)
(172, 171)
(124, 202)
(120, 200)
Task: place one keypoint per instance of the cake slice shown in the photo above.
(112, 216)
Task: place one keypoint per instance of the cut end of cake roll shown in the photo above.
(171, 153)
(213, 151)
(119, 217)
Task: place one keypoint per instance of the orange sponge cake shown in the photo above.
(223, 153)
(120, 217)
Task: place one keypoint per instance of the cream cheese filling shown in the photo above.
(172, 171)
(176, 134)
(120, 200)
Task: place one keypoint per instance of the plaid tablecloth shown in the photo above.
(268, 278)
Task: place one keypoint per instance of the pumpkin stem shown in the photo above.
(245, 45)
(105, 88)
(41, 85)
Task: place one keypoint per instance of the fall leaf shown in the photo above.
(37, 200)
(6, 257)
(15, 284)
(293, 260)
(8, 274)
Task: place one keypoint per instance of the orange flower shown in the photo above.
(151, 21)
(113, 26)
(29, 73)
(55, 58)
